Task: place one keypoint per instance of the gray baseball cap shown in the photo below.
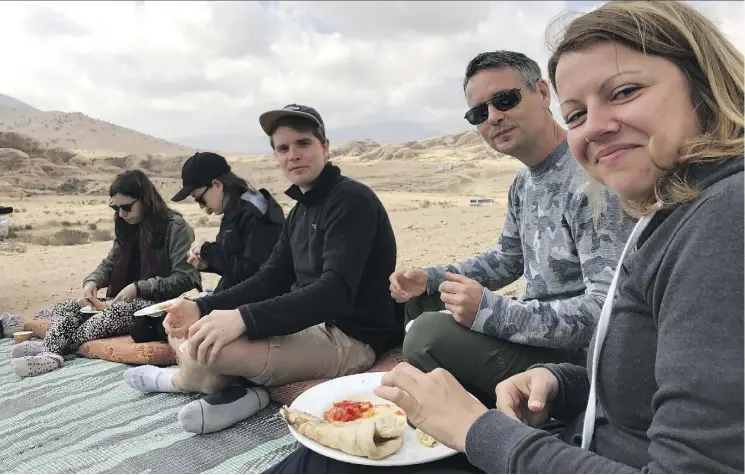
(269, 119)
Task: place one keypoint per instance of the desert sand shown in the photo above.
(62, 227)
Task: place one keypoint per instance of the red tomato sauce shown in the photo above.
(348, 411)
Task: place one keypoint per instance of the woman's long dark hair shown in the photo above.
(156, 214)
(233, 188)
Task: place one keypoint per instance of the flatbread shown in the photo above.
(425, 439)
(375, 437)
(191, 295)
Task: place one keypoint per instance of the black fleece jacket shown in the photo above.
(244, 242)
(331, 264)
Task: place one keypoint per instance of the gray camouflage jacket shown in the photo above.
(550, 237)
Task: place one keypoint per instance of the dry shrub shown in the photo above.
(70, 237)
(12, 248)
(102, 235)
(39, 240)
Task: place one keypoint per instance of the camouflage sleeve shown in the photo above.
(495, 268)
(564, 323)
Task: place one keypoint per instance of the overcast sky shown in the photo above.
(391, 70)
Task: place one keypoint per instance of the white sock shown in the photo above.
(151, 379)
(36, 365)
(219, 411)
(27, 348)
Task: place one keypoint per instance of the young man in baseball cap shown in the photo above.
(319, 308)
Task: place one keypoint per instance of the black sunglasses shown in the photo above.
(200, 200)
(502, 101)
(127, 208)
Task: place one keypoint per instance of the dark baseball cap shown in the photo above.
(199, 170)
(269, 119)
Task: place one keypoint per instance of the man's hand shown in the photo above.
(408, 283)
(211, 333)
(180, 315)
(527, 396)
(462, 296)
(127, 294)
(434, 402)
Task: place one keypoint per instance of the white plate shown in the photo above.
(89, 310)
(318, 399)
(154, 310)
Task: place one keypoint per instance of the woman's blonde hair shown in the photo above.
(712, 65)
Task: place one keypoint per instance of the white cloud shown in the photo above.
(382, 69)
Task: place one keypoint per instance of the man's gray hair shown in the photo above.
(528, 69)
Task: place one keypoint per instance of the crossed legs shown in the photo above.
(231, 381)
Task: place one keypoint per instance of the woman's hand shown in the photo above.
(196, 248)
(210, 334)
(180, 315)
(127, 294)
(195, 261)
(434, 402)
(527, 396)
(194, 256)
(88, 295)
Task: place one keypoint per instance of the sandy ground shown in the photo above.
(429, 209)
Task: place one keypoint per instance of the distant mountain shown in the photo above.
(13, 103)
(76, 131)
(383, 132)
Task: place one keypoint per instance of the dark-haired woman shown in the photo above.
(146, 264)
(251, 223)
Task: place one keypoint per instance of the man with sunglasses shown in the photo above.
(550, 237)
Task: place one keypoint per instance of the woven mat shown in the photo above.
(83, 418)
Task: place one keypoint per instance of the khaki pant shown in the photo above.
(319, 352)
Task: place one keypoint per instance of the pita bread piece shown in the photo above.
(375, 438)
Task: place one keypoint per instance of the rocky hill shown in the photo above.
(30, 167)
(78, 132)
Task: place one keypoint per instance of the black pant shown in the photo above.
(146, 329)
(304, 460)
(479, 362)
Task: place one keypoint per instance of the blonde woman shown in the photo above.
(652, 94)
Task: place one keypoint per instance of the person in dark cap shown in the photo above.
(251, 224)
(251, 219)
(318, 308)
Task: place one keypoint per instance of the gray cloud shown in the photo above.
(239, 29)
(389, 71)
(377, 20)
(46, 22)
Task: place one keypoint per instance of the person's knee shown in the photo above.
(412, 309)
(426, 334)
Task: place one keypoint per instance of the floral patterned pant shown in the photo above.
(70, 328)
